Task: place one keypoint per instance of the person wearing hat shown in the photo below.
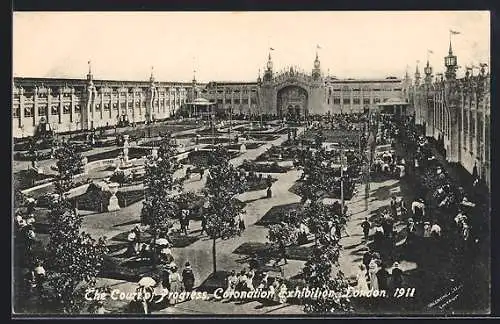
(418, 210)
(427, 229)
(175, 282)
(232, 281)
(397, 276)
(264, 281)
(435, 230)
(242, 281)
(188, 278)
(365, 225)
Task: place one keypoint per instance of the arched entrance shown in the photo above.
(292, 102)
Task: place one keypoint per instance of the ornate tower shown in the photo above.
(150, 115)
(87, 121)
(417, 76)
(194, 90)
(316, 71)
(268, 73)
(450, 62)
(428, 74)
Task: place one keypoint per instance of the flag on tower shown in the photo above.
(453, 32)
(318, 47)
(270, 48)
(430, 52)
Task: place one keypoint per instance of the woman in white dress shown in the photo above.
(372, 270)
(361, 277)
(250, 276)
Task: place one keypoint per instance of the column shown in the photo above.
(72, 106)
(224, 99)
(241, 98)
(34, 117)
(60, 114)
(21, 107)
(249, 100)
(351, 95)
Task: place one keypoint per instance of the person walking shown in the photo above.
(372, 273)
(361, 277)
(365, 225)
(367, 258)
(188, 278)
(394, 207)
(397, 276)
(383, 278)
(231, 282)
(175, 282)
(418, 209)
(241, 225)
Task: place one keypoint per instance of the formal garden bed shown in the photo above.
(178, 240)
(201, 158)
(277, 214)
(249, 146)
(95, 199)
(133, 152)
(278, 153)
(266, 250)
(334, 193)
(217, 140)
(264, 137)
(264, 167)
(29, 178)
(259, 182)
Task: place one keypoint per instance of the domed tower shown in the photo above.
(316, 72)
(268, 74)
(259, 79)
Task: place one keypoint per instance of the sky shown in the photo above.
(233, 46)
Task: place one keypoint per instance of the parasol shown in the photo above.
(162, 241)
(147, 282)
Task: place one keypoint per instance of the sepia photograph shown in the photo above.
(251, 163)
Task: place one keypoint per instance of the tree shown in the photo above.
(223, 184)
(317, 178)
(282, 235)
(322, 222)
(74, 258)
(160, 208)
(69, 164)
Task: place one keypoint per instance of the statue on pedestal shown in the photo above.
(113, 201)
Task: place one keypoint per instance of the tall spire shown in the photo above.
(450, 51)
(89, 75)
(152, 77)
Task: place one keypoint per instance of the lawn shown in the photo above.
(275, 215)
